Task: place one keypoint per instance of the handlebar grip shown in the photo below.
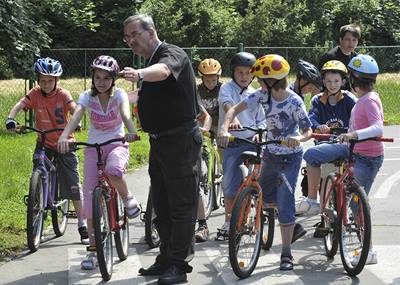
(321, 137)
(231, 139)
(382, 139)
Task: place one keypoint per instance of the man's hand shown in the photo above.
(129, 74)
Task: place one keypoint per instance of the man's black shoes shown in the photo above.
(155, 269)
(173, 275)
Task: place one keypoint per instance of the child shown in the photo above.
(209, 70)
(308, 79)
(285, 114)
(52, 105)
(330, 109)
(230, 94)
(366, 121)
(108, 110)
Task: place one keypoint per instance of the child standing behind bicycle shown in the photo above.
(366, 121)
(108, 110)
(52, 105)
(209, 70)
(287, 120)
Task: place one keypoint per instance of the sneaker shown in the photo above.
(90, 261)
(201, 234)
(131, 205)
(372, 258)
(223, 232)
(84, 234)
(307, 207)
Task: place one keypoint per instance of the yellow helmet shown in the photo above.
(334, 65)
(271, 66)
(209, 66)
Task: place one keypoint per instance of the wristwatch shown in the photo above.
(140, 75)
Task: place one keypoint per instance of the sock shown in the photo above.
(82, 223)
(314, 201)
(202, 223)
(286, 251)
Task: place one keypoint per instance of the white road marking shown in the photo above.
(387, 185)
(387, 268)
(392, 159)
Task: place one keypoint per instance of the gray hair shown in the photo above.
(146, 21)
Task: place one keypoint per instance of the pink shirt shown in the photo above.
(367, 120)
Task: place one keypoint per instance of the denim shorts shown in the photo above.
(278, 181)
(232, 174)
(324, 153)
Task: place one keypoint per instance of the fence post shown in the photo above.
(30, 114)
(240, 47)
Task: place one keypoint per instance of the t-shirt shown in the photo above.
(209, 100)
(167, 104)
(254, 117)
(104, 125)
(283, 118)
(368, 112)
(51, 111)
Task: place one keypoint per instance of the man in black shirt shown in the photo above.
(168, 108)
(344, 52)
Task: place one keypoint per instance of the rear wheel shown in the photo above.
(151, 233)
(59, 215)
(245, 232)
(269, 228)
(329, 218)
(102, 233)
(355, 226)
(35, 211)
(121, 236)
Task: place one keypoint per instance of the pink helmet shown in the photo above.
(106, 63)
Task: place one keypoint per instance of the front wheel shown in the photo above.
(355, 230)
(245, 232)
(59, 213)
(329, 218)
(102, 232)
(217, 182)
(35, 211)
(151, 234)
(121, 236)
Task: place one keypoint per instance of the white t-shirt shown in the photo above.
(283, 118)
(104, 125)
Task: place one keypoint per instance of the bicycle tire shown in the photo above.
(359, 224)
(329, 220)
(205, 187)
(269, 226)
(121, 237)
(102, 233)
(151, 234)
(35, 211)
(59, 215)
(217, 183)
(243, 222)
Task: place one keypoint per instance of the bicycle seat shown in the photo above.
(250, 156)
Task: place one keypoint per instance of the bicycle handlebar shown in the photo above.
(329, 138)
(97, 145)
(233, 139)
(22, 130)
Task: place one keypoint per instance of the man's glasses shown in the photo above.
(132, 35)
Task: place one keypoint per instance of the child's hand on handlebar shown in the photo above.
(323, 129)
(223, 138)
(347, 137)
(63, 145)
(292, 142)
(131, 137)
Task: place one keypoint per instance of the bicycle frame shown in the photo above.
(210, 147)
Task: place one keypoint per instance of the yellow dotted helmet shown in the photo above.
(334, 65)
(209, 66)
(271, 66)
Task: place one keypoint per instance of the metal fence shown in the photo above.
(76, 62)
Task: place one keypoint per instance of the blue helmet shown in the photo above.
(364, 67)
(48, 66)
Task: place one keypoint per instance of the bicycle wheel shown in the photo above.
(121, 236)
(151, 233)
(205, 190)
(245, 233)
(35, 211)
(329, 218)
(102, 232)
(269, 228)
(216, 183)
(355, 230)
(59, 213)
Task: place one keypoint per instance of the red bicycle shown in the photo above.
(345, 211)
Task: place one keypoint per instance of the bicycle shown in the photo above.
(109, 216)
(151, 234)
(43, 195)
(210, 174)
(345, 211)
(248, 215)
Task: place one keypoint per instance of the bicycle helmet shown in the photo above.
(48, 66)
(242, 59)
(364, 67)
(209, 66)
(271, 66)
(309, 72)
(107, 63)
(334, 65)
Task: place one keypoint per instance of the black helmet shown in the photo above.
(242, 59)
(309, 72)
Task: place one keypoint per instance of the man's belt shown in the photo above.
(180, 129)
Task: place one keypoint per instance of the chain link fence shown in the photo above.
(77, 75)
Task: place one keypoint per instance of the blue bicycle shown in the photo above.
(44, 195)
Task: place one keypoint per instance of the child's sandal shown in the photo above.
(286, 263)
